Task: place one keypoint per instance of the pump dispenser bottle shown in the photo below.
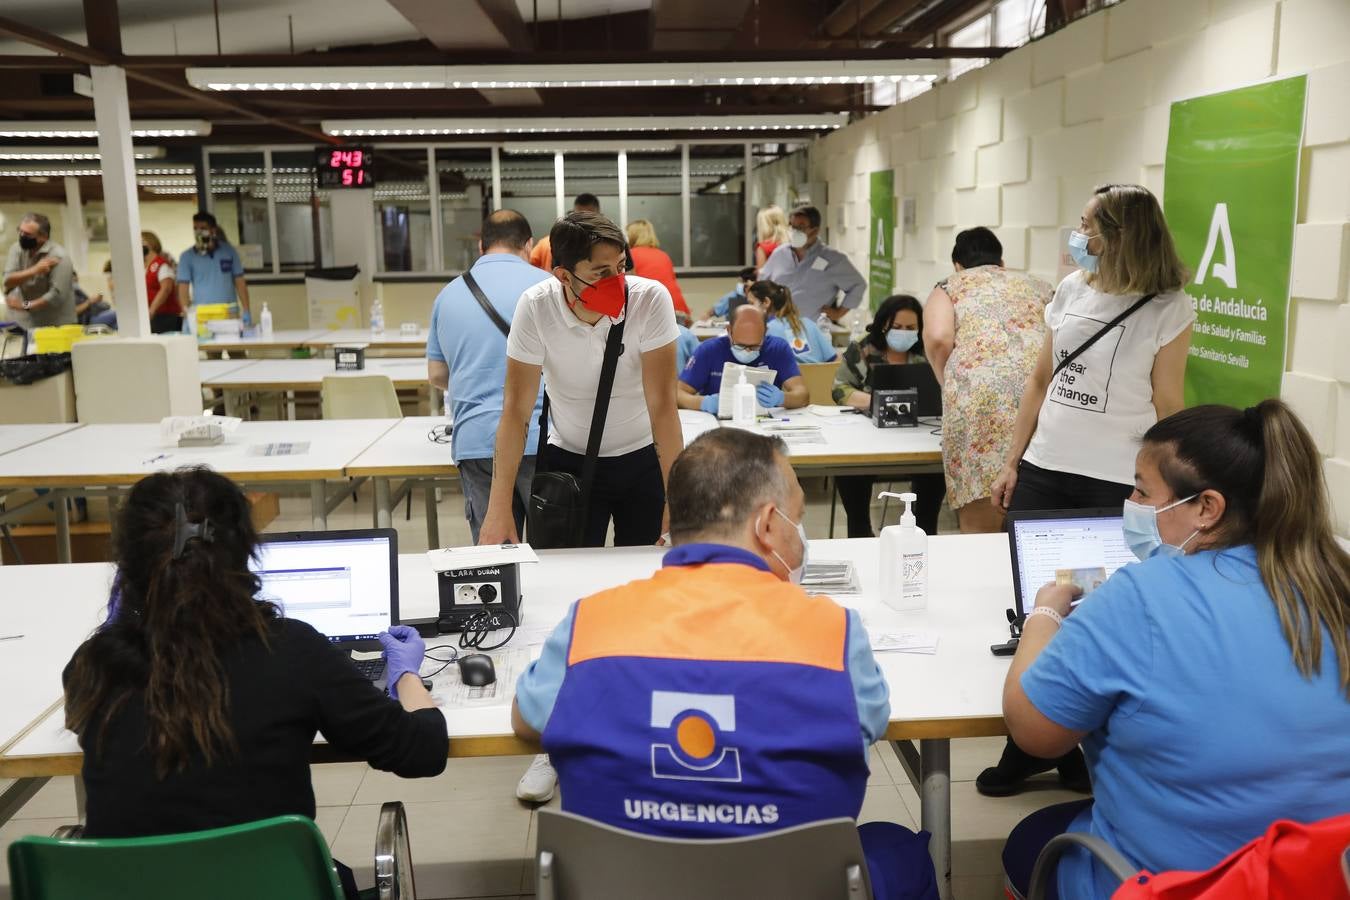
(743, 408)
(904, 559)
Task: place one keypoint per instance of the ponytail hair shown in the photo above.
(183, 596)
(780, 303)
(1266, 466)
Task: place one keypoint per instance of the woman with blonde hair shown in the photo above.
(650, 261)
(1111, 366)
(1209, 683)
(771, 229)
(166, 316)
(805, 338)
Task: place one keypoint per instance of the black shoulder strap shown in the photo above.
(613, 348)
(1063, 363)
(484, 302)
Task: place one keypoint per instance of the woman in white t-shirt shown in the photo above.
(559, 332)
(1078, 425)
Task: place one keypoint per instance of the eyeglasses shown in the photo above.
(751, 348)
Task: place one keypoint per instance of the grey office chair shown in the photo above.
(1048, 862)
(580, 858)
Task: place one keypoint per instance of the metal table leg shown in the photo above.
(58, 498)
(318, 504)
(13, 798)
(935, 798)
(433, 519)
(384, 515)
(290, 406)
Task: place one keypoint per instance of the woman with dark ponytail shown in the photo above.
(197, 704)
(1210, 683)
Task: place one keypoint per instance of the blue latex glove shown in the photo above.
(246, 317)
(768, 395)
(709, 404)
(403, 652)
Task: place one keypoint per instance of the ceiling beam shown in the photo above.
(476, 24)
(91, 57)
(102, 26)
(846, 18)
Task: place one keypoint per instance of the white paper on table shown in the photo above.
(448, 692)
(731, 376)
(902, 641)
(453, 559)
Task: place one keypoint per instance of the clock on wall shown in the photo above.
(344, 167)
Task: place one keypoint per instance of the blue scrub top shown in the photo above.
(685, 345)
(810, 344)
(211, 274)
(704, 371)
(1201, 730)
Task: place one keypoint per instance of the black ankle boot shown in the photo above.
(1012, 771)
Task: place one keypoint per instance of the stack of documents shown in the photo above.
(794, 435)
(903, 641)
(832, 577)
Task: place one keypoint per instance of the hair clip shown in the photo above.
(184, 531)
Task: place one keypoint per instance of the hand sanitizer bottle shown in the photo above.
(265, 321)
(743, 408)
(377, 317)
(904, 560)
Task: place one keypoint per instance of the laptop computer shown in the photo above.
(343, 583)
(1085, 546)
(910, 375)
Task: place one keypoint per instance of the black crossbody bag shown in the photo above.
(1064, 363)
(559, 504)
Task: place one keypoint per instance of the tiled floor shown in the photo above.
(472, 839)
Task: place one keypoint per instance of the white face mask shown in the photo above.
(797, 239)
(794, 575)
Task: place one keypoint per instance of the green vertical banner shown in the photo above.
(1231, 192)
(881, 236)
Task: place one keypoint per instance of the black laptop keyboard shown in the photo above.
(373, 669)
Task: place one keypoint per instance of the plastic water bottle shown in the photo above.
(265, 321)
(377, 317)
(743, 405)
(904, 560)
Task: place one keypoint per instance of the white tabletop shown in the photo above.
(970, 586)
(14, 437)
(54, 608)
(218, 368)
(308, 374)
(124, 454)
(853, 439)
(392, 337)
(286, 338)
(405, 450)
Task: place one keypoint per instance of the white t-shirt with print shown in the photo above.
(544, 332)
(1097, 408)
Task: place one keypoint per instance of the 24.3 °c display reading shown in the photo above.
(344, 167)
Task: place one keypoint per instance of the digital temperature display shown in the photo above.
(344, 167)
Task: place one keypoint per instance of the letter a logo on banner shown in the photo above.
(1225, 271)
(881, 238)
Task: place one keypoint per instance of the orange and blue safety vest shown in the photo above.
(712, 699)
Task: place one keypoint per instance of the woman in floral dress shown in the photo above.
(983, 329)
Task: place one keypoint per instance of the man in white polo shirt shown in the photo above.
(559, 330)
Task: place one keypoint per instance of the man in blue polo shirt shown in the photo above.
(466, 354)
(213, 269)
(747, 343)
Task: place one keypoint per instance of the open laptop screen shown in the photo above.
(344, 583)
(1084, 545)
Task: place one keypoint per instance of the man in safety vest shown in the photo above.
(717, 698)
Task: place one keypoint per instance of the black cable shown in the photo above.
(440, 434)
(445, 663)
(933, 423)
(480, 624)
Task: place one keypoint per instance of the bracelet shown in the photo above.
(1048, 613)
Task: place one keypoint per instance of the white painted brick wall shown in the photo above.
(1091, 104)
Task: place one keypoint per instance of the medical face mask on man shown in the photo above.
(1078, 250)
(797, 239)
(901, 341)
(794, 575)
(1141, 530)
(28, 242)
(203, 237)
(745, 355)
(604, 296)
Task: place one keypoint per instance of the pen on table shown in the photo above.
(155, 459)
(10, 637)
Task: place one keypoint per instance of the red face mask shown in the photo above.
(605, 296)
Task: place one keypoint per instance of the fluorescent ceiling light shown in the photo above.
(597, 75)
(423, 127)
(149, 128)
(80, 154)
(88, 171)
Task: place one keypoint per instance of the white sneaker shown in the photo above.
(538, 782)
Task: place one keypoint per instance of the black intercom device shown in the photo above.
(895, 408)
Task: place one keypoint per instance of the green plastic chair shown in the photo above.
(284, 858)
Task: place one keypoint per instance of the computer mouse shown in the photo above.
(476, 670)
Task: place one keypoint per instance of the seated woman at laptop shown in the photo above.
(1210, 684)
(196, 705)
(895, 337)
